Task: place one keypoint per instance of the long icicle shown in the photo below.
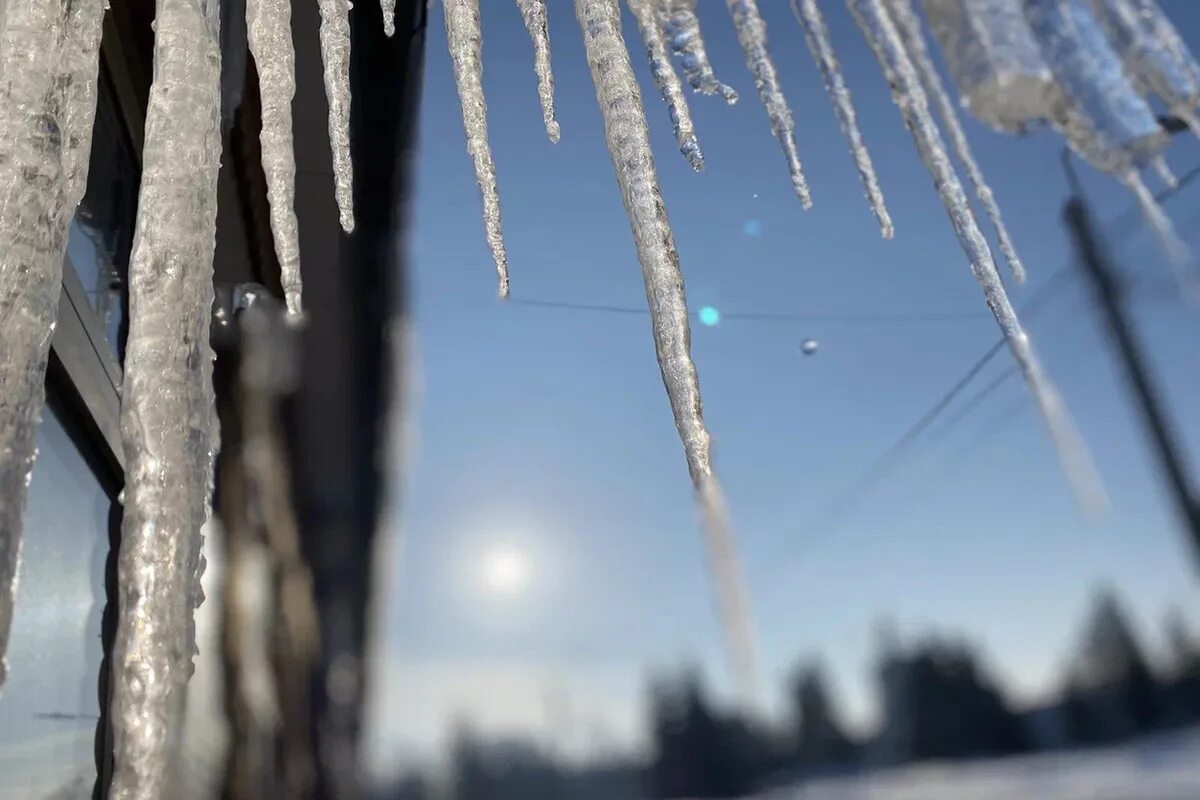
(752, 33)
(49, 58)
(820, 44)
(880, 31)
(269, 33)
(534, 14)
(335, 59)
(465, 39)
(168, 419)
(909, 28)
(629, 145)
(667, 81)
(682, 26)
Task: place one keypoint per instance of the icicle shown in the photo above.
(534, 13)
(49, 54)
(466, 51)
(269, 32)
(629, 144)
(667, 81)
(682, 27)
(335, 57)
(752, 33)
(1164, 172)
(388, 8)
(995, 62)
(1102, 116)
(808, 12)
(885, 41)
(1155, 58)
(168, 420)
(909, 28)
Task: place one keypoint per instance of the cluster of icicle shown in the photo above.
(1082, 65)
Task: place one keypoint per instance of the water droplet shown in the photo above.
(709, 316)
(755, 195)
(809, 346)
(752, 228)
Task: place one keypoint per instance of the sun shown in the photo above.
(505, 570)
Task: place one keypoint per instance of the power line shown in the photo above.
(761, 316)
(829, 514)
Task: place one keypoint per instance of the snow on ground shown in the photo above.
(1157, 768)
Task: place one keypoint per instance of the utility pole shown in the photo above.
(1109, 292)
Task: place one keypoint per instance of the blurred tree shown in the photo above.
(820, 739)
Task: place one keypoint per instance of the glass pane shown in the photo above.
(49, 706)
(101, 234)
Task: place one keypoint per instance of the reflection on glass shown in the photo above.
(49, 707)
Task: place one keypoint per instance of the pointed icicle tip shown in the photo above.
(670, 87)
(536, 22)
(388, 7)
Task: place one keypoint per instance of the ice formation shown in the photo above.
(1154, 57)
(465, 39)
(998, 67)
(883, 37)
(752, 34)
(1102, 116)
(909, 27)
(388, 9)
(335, 57)
(168, 421)
(629, 145)
(667, 80)
(269, 33)
(682, 27)
(816, 33)
(49, 56)
(534, 13)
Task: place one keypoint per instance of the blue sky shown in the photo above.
(546, 431)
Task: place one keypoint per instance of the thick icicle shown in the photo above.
(269, 32)
(1156, 59)
(752, 33)
(168, 422)
(909, 27)
(667, 81)
(995, 62)
(629, 145)
(49, 56)
(878, 28)
(534, 13)
(388, 9)
(820, 44)
(682, 27)
(466, 52)
(335, 57)
(1102, 116)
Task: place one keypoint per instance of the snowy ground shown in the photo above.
(1157, 768)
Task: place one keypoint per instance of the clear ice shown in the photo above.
(466, 52)
(820, 44)
(682, 27)
(335, 57)
(752, 34)
(168, 421)
(629, 145)
(1155, 57)
(881, 33)
(995, 62)
(909, 26)
(269, 32)
(667, 80)
(45, 141)
(534, 13)
(1102, 116)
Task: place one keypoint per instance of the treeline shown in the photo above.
(937, 701)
